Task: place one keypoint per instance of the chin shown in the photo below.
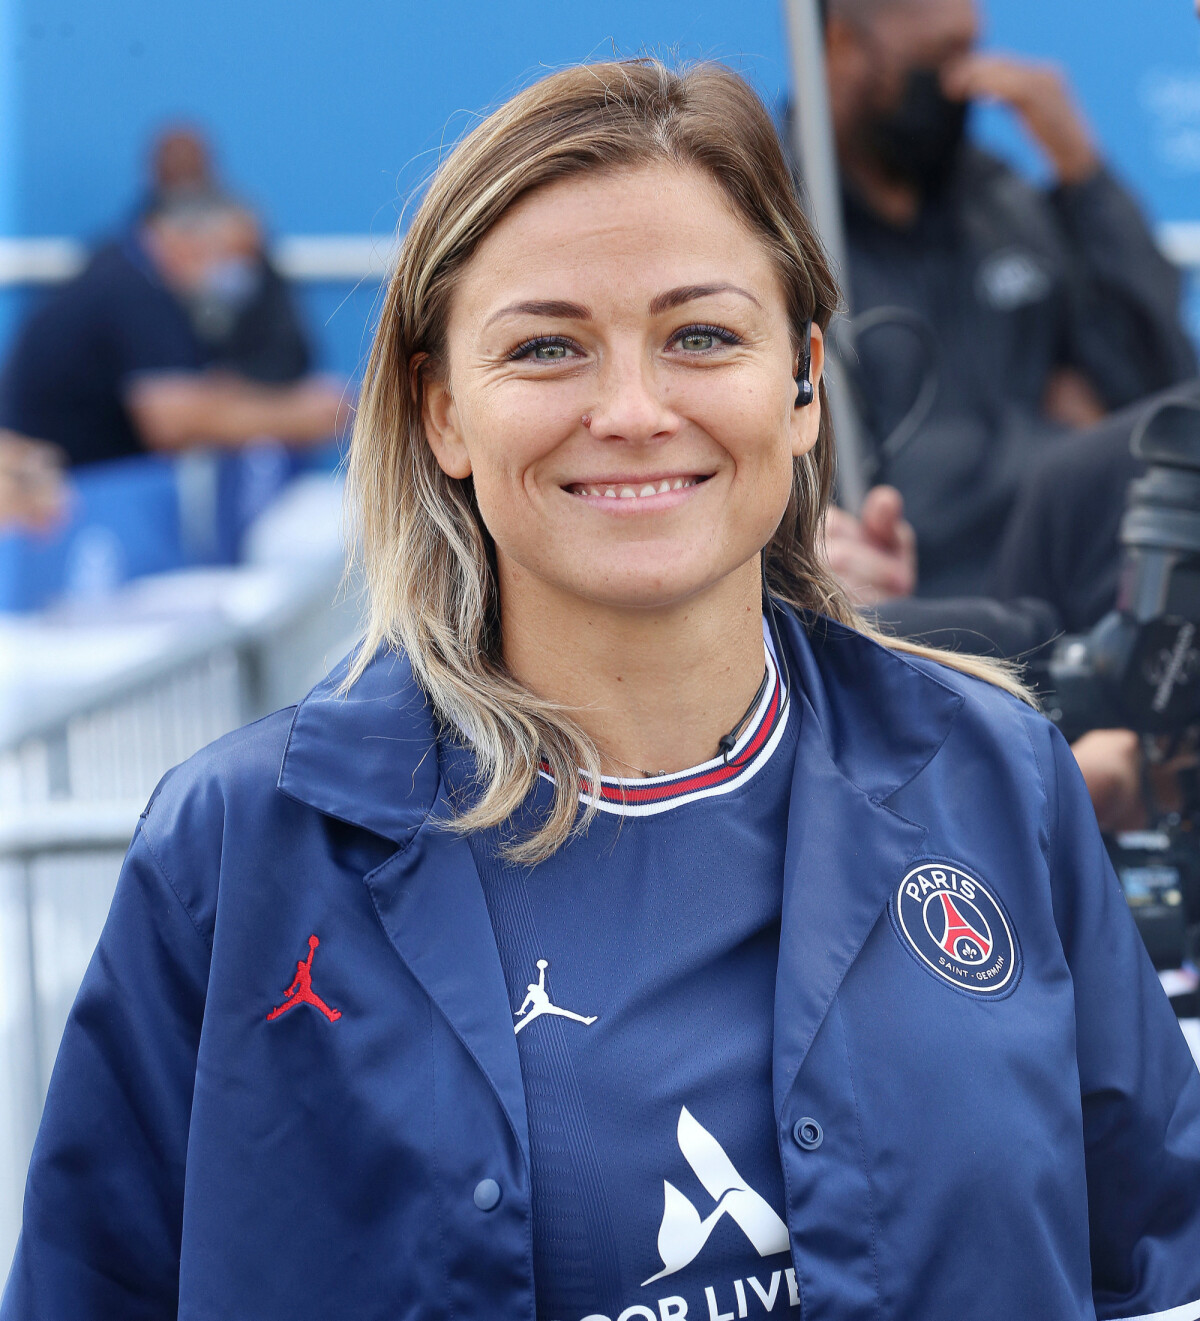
(650, 582)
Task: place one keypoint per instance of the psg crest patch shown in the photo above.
(956, 928)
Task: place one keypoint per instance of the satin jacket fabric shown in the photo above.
(1034, 1154)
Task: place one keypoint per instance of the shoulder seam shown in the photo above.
(960, 701)
(162, 871)
(1050, 836)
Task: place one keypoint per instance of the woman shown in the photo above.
(659, 953)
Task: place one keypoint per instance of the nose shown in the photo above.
(630, 405)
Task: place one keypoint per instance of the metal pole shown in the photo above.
(813, 144)
(37, 1059)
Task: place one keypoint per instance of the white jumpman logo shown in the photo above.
(537, 1003)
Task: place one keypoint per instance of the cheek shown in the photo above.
(765, 465)
(776, 491)
(503, 439)
(509, 438)
(759, 437)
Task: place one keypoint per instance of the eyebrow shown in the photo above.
(554, 307)
(690, 292)
(549, 307)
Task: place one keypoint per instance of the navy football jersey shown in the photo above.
(640, 961)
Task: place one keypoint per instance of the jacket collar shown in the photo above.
(881, 715)
(368, 757)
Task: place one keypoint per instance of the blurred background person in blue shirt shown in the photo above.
(244, 312)
(177, 333)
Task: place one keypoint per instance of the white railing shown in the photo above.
(58, 868)
(308, 257)
(82, 747)
(338, 258)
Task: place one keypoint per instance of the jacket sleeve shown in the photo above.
(1124, 328)
(1140, 1087)
(102, 1219)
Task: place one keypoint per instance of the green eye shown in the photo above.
(550, 352)
(696, 341)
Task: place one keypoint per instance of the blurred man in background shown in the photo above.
(1048, 308)
(181, 159)
(178, 333)
(248, 321)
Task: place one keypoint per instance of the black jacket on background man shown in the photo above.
(1015, 282)
(1057, 567)
(1062, 543)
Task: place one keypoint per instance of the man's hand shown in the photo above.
(32, 491)
(1072, 400)
(1039, 94)
(322, 407)
(1111, 761)
(874, 556)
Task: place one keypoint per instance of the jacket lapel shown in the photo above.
(367, 756)
(870, 721)
(430, 901)
(844, 854)
(370, 757)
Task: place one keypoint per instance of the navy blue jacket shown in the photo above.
(1011, 1130)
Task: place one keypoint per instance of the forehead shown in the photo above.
(622, 232)
(930, 28)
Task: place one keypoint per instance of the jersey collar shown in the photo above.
(653, 794)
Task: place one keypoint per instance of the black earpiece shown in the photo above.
(804, 386)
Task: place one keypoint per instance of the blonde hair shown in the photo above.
(427, 559)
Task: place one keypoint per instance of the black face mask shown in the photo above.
(918, 141)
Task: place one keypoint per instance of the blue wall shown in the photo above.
(1135, 67)
(326, 114)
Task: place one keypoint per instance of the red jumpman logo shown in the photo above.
(957, 927)
(301, 991)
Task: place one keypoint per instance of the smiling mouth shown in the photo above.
(634, 490)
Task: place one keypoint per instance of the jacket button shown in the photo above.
(487, 1194)
(807, 1133)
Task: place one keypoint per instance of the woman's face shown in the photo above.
(619, 384)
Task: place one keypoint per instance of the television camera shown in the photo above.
(1139, 669)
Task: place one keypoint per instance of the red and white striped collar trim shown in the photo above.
(649, 795)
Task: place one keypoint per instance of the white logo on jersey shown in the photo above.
(683, 1233)
(537, 1003)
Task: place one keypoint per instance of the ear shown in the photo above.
(439, 413)
(806, 422)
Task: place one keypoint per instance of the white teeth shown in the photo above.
(661, 487)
